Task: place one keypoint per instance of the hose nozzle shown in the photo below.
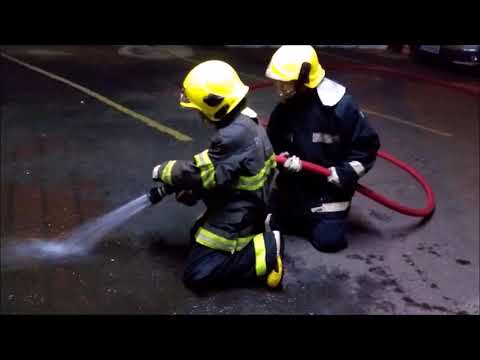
(157, 194)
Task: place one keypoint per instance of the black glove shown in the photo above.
(157, 194)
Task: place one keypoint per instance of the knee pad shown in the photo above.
(195, 281)
(198, 275)
(328, 235)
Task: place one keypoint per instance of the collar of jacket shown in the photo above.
(242, 109)
(227, 120)
(249, 113)
(330, 92)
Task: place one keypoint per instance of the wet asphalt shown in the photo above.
(67, 158)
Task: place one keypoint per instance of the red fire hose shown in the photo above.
(391, 204)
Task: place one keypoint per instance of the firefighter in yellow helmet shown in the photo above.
(233, 176)
(318, 121)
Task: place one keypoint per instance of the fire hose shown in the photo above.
(157, 193)
(426, 211)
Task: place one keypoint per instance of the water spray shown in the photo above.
(80, 241)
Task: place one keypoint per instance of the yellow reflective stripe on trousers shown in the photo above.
(216, 242)
(207, 170)
(260, 255)
(255, 182)
(166, 176)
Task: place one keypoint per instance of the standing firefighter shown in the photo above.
(233, 177)
(316, 121)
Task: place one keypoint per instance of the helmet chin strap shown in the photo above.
(303, 77)
(304, 74)
(205, 119)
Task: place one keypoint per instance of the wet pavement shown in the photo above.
(68, 157)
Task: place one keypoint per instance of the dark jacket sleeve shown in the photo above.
(361, 140)
(214, 167)
(275, 132)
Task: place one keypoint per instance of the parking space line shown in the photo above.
(405, 122)
(146, 120)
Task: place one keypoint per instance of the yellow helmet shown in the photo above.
(287, 63)
(214, 88)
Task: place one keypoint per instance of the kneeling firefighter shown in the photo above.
(233, 177)
(317, 121)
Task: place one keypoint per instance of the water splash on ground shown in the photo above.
(78, 243)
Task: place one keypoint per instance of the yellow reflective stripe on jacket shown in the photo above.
(207, 170)
(216, 242)
(260, 255)
(255, 182)
(166, 176)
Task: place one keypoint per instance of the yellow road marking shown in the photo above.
(146, 120)
(393, 118)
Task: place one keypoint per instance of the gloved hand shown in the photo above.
(157, 194)
(333, 178)
(293, 164)
(186, 197)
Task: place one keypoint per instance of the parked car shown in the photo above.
(467, 55)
